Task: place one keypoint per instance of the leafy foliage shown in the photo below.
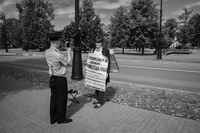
(119, 28)
(144, 23)
(35, 17)
(195, 29)
(184, 29)
(3, 32)
(135, 27)
(169, 29)
(13, 31)
(90, 25)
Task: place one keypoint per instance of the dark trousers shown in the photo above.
(100, 96)
(58, 99)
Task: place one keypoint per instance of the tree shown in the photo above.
(119, 29)
(183, 35)
(185, 16)
(195, 29)
(35, 17)
(3, 31)
(143, 23)
(184, 29)
(69, 31)
(13, 33)
(169, 29)
(90, 25)
(69, 34)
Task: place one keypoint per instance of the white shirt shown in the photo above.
(56, 61)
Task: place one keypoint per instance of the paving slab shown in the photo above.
(28, 111)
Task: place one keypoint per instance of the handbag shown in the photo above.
(114, 67)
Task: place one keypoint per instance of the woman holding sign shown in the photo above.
(100, 95)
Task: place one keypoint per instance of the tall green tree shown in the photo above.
(195, 29)
(119, 29)
(69, 31)
(184, 29)
(90, 25)
(185, 16)
(143, 23)
(14, 38)
(3, 33)
(35, 17)
(170, 29)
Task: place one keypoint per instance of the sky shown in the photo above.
(64, 9)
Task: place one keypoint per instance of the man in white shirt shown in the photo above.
(57, 63)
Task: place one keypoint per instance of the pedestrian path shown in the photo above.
(27, 112)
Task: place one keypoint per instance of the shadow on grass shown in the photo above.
(15, 79)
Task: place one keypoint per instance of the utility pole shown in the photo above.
(159, 49)
(77, 73)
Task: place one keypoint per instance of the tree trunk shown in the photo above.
(6, 48)
(159, 54)
(139, 49)
(142, 50)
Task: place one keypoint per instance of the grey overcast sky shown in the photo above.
(64, 9)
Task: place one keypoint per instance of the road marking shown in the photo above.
(161, 69)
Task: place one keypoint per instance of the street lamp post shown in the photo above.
(159, 51)
(77, 73)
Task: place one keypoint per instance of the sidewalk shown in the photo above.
(27, 112)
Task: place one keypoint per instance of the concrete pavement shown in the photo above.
(27, 111)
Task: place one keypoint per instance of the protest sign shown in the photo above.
(96, 71)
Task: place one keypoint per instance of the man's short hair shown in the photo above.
(55, 36)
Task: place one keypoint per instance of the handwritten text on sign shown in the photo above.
(96, 71)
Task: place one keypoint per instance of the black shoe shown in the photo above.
(65, 121)
(53, 122)
(95, 102)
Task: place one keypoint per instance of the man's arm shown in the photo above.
(69, 55)
(62, 59)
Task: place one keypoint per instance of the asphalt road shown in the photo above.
(164, 74)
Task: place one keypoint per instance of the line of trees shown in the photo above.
(31, 30)
(135, 26)
(35, 17)
(132, 26)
